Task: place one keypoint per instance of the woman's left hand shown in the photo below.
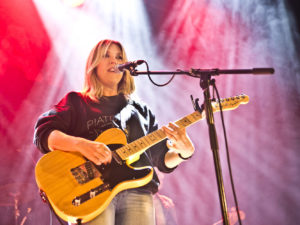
(179, 140)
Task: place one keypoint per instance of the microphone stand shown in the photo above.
(205, 82)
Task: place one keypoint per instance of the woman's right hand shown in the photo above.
(96, 152)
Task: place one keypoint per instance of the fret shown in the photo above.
(148, 140)
(184, 122)
(141, 142)
(140, 145)
(126, 150)
(121, 152)
(196, 116)
(152, 137)
(160, 134)
(191, 119)
(135, 147)
(156, 134)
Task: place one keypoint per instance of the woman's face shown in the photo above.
(107, 73)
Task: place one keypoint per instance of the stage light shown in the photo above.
(73, 3)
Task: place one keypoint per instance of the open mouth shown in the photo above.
(112, 69)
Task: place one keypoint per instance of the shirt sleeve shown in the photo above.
(58, 118)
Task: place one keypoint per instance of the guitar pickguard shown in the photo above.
(111, 175)
(87, 171)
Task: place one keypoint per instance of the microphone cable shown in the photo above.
(153, 82)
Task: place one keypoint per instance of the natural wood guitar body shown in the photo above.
(54, 177)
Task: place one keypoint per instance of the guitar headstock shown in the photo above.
(230, 103)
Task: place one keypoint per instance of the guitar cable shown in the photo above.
(51, 213)
(227, 151)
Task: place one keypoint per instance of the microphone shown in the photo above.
(129, 65)
(263, 71)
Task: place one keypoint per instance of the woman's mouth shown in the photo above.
(113, 70)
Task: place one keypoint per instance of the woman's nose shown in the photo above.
(113, 61)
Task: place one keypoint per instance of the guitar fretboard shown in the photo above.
(140, 145)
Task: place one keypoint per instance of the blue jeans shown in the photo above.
(129, 207)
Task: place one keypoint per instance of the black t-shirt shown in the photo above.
(101, 115)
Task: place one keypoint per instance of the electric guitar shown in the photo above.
(77, 189)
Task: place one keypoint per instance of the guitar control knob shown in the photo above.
(92, 194)
(76, 201)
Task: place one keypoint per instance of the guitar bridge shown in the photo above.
(90, 194)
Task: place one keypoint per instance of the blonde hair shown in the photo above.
(92, 85)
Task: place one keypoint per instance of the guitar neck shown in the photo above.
(140, 145)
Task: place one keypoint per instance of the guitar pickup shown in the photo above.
(85, 172)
